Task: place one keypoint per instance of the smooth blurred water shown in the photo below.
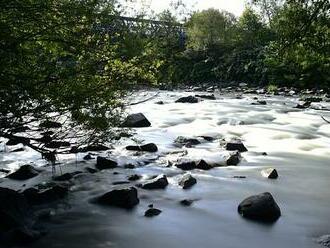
(296, 141)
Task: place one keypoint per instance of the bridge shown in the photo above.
(151, 28)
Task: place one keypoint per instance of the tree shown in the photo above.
(60, 60)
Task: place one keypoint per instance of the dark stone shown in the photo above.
(183, 141)
(105, 163)
(50, 124)
(304, 105)
(151, 147)
(88, 157)
(151, 212)
(57, 144)
(236, 145)
(203, 165)
(234, 159)
(260, 102)
(129, 166)
(208, 138)
(123, 198)
(20, 129)
(49, 194)
(187, 99)
(312, 99)
(136, 120)
(120, 182)
(24, 172)
(208, 97)
(270, 173)
(18, 150)
(260, 207)
(159, 102)
(67, 176)
(186, 202)
(5, 171)
(15, 140)
(134, 177)
(188, 165)
(159, 182)
(239, 177)
(187, 181)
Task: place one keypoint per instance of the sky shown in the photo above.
(234, 6)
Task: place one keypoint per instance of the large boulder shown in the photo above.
(24, 172)
(151, 147)
(187, 181)
(44, 195)
(159, 182)
(136, 120)
(260, 207)
(123, 198)
(103, 163)
(16, 218)
(203, 165)
(270, 173)
(236, 145)
(233, 159)
(187, 99)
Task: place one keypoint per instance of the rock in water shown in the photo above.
(105, 163)
(203, 165)
(270, 173)
(136, 120)
(236, 145)
(134, 177)
(189, 165)
(187, 99)
(151, 147)
(187, 181)
(324, 240)
(16, 218)
(123, 198)
(183, 141)
(52, 193)
(234, 159)
(260, 207)
(159, 182)
(186, 202)
(24, 172)
(208, 97)
(151, 212)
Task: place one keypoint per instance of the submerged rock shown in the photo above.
(236, 145)
(123, 198)
(136, 120)
(24, 172)
(184, 141)
(67, 176)
(187, 181)
(103, 163)
(134, 177)
(88, 157)
(151, 147)
(186, 202)
(324, 240)
(151, 212)
(159, 182)
(187, 99)
(270, 173)
(260, 207)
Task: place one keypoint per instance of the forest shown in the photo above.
(94, 97)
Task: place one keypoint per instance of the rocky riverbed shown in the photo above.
(188, 170)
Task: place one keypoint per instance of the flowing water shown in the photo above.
(296, 141)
